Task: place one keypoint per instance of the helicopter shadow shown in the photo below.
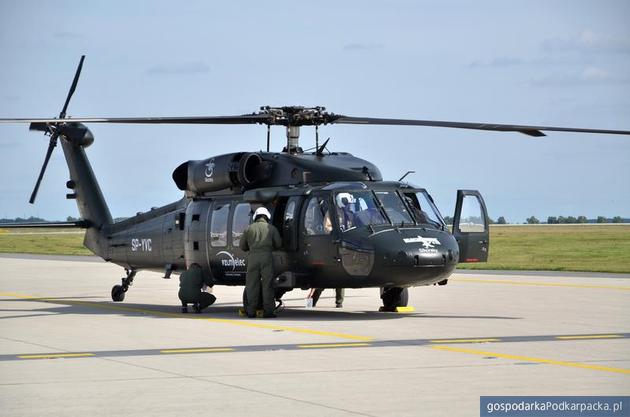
(223, 311)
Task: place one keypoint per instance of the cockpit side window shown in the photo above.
(317, 219)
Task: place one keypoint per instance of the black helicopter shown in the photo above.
(342, 225)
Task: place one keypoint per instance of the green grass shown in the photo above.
(592, 248)
(559, 248)
(43, 241)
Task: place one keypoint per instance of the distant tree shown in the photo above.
(501, 220)
(582, 219)
(490, 221)
(571, 220)
(532, 220)
(71, 219)
(448, 220)
(562, 219)
(552, 220)
(602, 219)
(617, 219)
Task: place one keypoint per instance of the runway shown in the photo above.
(67, 349)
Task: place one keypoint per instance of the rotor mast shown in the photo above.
(292, 117)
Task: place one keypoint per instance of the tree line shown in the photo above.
(555, 220)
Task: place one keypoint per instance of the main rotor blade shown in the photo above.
(51, 146)
(73, 87)
(201, 120)
(525, 129)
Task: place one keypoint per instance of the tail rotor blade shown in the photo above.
(51, 146)
(73, 87)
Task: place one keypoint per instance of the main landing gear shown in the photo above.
(118, 291)
(394, 297)
(278, 293)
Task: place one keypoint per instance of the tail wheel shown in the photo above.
(118, 293)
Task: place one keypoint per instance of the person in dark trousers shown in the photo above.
(260, 239)
(191, 283)
(317, 292)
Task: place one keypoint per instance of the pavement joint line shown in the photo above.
(534, 360)
(332, 345)
(233, 322)
(465, 340)
(542, 284)
(292, 347)
(590, 336)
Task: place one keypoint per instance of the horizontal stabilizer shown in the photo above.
(82, 224)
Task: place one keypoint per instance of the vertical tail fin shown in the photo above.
(75, 137)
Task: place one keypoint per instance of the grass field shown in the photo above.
(552, 248)
(559, 248)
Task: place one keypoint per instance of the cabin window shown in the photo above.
(317, 217)
(240, 221)
(218, 225)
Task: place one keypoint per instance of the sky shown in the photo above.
(555, 63)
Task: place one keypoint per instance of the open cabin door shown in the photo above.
(470, 226)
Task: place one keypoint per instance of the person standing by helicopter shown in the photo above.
(260, 239)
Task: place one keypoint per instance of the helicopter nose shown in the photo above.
(419, 248)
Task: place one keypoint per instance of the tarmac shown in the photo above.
(67, 350)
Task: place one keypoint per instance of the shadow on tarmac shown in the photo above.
(226, 311)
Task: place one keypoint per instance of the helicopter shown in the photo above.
(342, 224)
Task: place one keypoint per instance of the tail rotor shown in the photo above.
(53, 130)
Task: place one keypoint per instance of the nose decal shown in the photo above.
(427, 242)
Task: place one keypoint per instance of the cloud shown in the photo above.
(588, 42)
(499, 62)
(195, 67)
(362, 46)
(588, 76)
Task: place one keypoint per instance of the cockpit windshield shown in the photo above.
(357, 209)
(423, 209)
(394, 207)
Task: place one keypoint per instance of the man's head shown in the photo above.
(262, 212)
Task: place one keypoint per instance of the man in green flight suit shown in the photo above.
(191, 283)
(260, 239)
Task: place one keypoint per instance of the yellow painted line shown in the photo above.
(536, 360)
(542, 284)
(118, 307)
(197, 350)
(56, 355)
(465, 340)
(594, 336)
(333, 345)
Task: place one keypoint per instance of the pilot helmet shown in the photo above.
(344, 199)
(261, 211)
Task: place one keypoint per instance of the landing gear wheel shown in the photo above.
(394, 297)
(118, 293)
